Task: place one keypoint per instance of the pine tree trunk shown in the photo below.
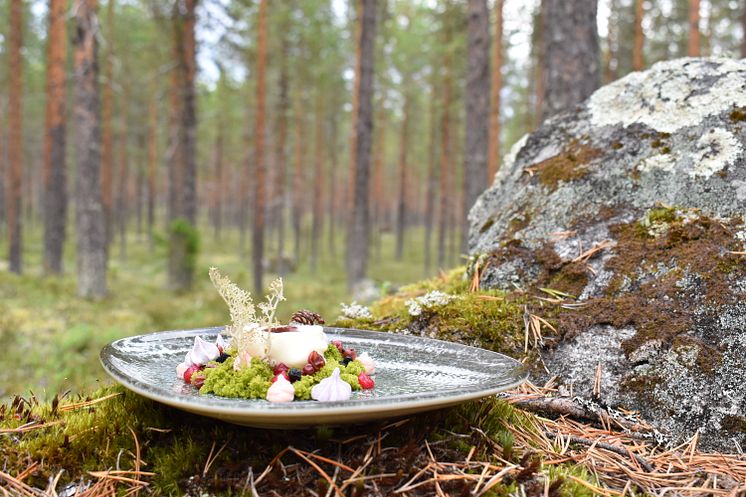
(318, 182)
(122, 207)
(477, 109)
(298, 182)
(90, 232)
(693, 47)
(3, 168)
(637, 61)
(379, 190)
(182, 233)
(55, 180)
(257, 238)
(431, 180)
(152, 166)
(332, 188)
(571, 54)
(401, 206)
(497, 84)
(359, 232)
(15, 135)
(445, 164)
(538, 72)
(281, 157)
(107, 130)
(140, 182)
(217, 195)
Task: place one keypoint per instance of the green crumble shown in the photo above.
(254, 381)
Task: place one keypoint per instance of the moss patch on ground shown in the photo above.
(112, 427)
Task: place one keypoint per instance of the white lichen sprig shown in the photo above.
(240, 303)
(269, 308)
(355, 311)
(430, 300)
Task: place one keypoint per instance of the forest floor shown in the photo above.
(113, 442)
(51, 339)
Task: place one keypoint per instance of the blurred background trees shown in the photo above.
(328, 129)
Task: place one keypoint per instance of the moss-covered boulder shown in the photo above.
(631, 204)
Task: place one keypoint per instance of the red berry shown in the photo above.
(284, 373)
(198, 380)
(366, 382)
(280, 368)
(350, 353)
(308, 370)
(316, 360)
(338, 344)
(190, 371)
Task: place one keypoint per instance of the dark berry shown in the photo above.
(308, 370)
(190, 371)
(222, 357)
(280, 367)
(284, 373)
(366, 382)
(346, 361)
(338, 344)
(350, 353)
(316, 360)
(294, 374)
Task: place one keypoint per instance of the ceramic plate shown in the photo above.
(413, 374)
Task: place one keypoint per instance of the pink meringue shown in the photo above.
(203, 352)
(281, 391)
(368, 363)
(331, 389)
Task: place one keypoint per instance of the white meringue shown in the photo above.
(221, 342)
(331, 389)
(203, 352)
(368, 363)
(293, 347)
(281, 390)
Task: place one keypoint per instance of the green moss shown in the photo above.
(571, 164)
(186, 237)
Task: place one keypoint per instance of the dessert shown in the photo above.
(265, 359)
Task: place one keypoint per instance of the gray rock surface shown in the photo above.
(664, 294)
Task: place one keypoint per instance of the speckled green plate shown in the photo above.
(413, 374)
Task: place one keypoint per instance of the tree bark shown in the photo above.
(55, 180)
(637, 61)
(281, 157)
(15, 135)
(497, 84)
(401, 205)
(477, 109)
(298, 180)
(107, 133)
(122, 207)
(257, 238)
(432, 178)
(217, 181)
(359, 232)
(152, 165)
(571, 59)
(183, 238)
(445, 164)
(318, 181)
(693, 47)
(90, 233)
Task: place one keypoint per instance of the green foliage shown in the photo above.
(184, 236)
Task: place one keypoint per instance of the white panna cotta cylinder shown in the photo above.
(293, 347)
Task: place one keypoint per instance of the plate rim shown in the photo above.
(281, 411)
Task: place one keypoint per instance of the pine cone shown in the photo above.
(304, 316)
